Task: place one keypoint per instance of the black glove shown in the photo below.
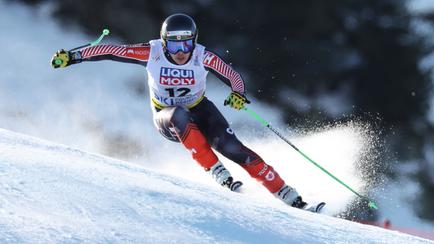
(236, 100)
(61, 59)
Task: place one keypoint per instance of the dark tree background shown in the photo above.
(365, 48)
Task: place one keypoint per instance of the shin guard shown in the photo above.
(195, 142)
(266, 175)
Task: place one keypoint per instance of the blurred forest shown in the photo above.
(364, 54)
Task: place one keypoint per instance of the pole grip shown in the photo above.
(105, 32)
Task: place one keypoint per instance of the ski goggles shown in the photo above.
(185, 46)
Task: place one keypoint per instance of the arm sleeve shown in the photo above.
(137, 53)
(223, 71)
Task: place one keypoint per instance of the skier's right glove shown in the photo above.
(61, 59)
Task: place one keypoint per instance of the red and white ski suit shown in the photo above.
(181, 111)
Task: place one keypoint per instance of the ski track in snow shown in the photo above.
(53, 193)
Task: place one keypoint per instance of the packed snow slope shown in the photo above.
(53, 193)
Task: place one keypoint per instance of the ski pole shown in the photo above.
(105, 32)
(371, 203)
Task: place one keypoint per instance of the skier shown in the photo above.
(177, 67)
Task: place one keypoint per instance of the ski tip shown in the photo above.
(320, 206)
(314, 207)
(236, 186)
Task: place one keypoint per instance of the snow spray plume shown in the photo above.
(105, 32)
(371, 203)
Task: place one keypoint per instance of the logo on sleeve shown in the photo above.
(137, 52)
(176, 77)
(208, 58)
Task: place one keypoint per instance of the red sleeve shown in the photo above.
(224, 71)
(125, 53)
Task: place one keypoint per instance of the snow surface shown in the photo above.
(52, 193)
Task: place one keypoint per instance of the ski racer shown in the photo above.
(177, 67)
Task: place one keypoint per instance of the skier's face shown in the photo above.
(180, 51)
(180, 57)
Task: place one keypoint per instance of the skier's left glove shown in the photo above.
(236, 100)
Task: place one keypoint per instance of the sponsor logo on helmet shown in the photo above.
(179, 33)
(176, 77)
